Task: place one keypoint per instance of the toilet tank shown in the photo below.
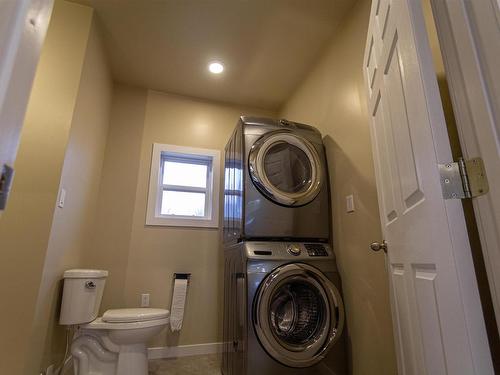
(82, 295)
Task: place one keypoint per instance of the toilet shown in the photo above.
(114, 344)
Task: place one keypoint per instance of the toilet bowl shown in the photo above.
(116, 342)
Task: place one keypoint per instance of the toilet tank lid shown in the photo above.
(85, 274)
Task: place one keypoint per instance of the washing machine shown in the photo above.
(275, 182)
(283, 310)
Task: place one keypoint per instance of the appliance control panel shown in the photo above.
(286, 250)
(316, 250)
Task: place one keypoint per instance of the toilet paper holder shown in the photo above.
(182, 276)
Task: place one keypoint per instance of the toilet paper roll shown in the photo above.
(178, 303)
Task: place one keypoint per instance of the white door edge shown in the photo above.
(471, 104)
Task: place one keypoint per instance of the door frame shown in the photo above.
(464, 79)
(23, 33)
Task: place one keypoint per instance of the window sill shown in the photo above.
(182, 222)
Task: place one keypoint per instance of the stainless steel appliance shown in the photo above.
(276, 182)
(283, 310)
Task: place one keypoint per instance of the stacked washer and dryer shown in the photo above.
(283, 309)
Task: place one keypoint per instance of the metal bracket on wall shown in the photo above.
(7, 173)
(463, 179)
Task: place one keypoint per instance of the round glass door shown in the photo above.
(286, 168)
(298, 315)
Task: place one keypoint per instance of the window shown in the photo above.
(183, 187)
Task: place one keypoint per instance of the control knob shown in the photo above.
(293, 249)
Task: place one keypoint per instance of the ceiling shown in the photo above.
(267, 46)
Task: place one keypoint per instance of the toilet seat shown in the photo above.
(130, 319)
(134, 315)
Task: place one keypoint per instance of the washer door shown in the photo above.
(286, 168)
(298, 315)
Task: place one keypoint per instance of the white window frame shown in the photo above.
(206, 156)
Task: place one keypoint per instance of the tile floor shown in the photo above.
(195, 365)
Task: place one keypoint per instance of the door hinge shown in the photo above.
(463, 179)
(6, 176)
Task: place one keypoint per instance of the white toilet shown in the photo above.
(114, 344)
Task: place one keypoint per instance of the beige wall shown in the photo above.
(333, 98)
(71, 226)
(25, 226)
(150, 255)
(110, 239)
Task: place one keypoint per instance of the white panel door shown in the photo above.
(23, 25)
(438, 321)
(469, 32)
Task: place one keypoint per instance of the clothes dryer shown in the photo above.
(276, 182)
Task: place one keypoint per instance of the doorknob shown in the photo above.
(377, 246)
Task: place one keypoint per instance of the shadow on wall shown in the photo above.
(356, 264)
(55, 335)
(338, 161)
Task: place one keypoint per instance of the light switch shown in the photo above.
(145, 300)
(62, 198)
(349, 203)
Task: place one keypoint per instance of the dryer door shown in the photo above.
(298, 315)
(286, 168)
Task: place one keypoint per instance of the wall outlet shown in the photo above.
(349, 200)
(145, 300)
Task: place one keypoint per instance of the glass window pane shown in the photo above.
(184, 174)
(183, 203)
(288, 168)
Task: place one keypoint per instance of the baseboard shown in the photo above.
(184, 350)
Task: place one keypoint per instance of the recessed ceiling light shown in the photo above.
(215, 67)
